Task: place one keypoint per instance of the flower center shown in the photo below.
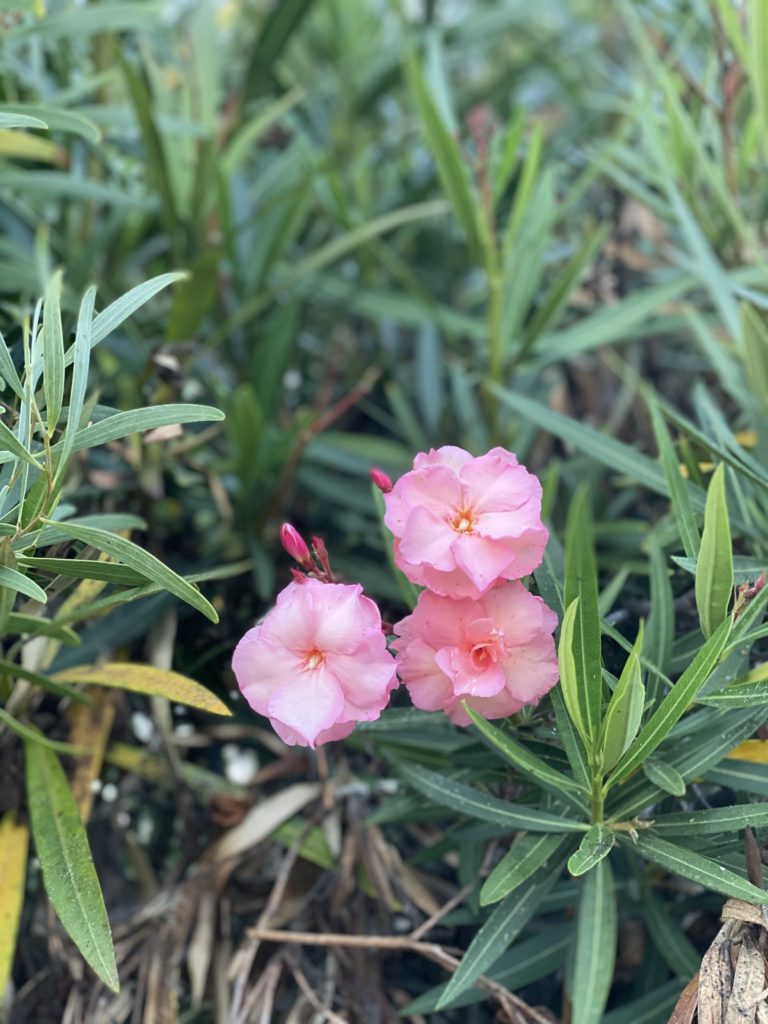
(313, 659)
(489, 650)
(463, 520)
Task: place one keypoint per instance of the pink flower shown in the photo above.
(317, 663)
(462, 525)
(496, 653)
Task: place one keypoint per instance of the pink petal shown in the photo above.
(448, 455)
(295, 739)
(366, 679)
(427, 538)
(484, 561)
(441, 620)
(521, 615)
(311, 702)
(342, 616)
(260, 667)
(466, 677)
(494, 485)
(428, 686)
(435, 488)
(531, 670)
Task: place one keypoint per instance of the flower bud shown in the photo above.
(321, 554)
(295, 545)
(382, 481)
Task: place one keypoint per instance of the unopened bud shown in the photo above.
(381, 480)
(759, 582)
(295, 545)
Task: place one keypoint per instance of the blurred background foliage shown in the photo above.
(405, 223)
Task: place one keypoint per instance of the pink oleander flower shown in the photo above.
(295, 545)
(497, 653)
(317, 663)
(464, 524)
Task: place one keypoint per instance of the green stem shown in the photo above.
(597, 798)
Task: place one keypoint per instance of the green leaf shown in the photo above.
(569, 737)
(110, 318)
(32, 625)
(595, 952)
(500, 930)
(275, 32)
(85, 569)
(450, 163)
(132, 555)
(755, 341)
(713, 821)
(698, 868)
(53, 353)
(675, 704)
(463, 799)
(714, 568)
(68, 872)
(660, 628)
(569, 683)
(625, 710)
(8, 370)
(19, 120)
(53, 118)
(522, 759)
(737, 695)
(14, 580)
(10, 443)
(136, 420)
(741, 775)
(596, 844)
(36, 738)
(581, 587)
(82, 360)
(663, 775)
(679, 953)
(527, 855)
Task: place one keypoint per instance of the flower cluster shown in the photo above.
(466, 529)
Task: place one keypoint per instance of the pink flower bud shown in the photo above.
(381, 480)
(295, 545)
(759, 582)
(321, 554)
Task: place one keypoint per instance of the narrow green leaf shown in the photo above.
(663, 775)
(68, 872)
(581, 586)
(81, 360)
(698, 868)
(132, 555)
(123, 423)
(737, 695)
(755, 345)
(19, 120)
(660, 628)
(110, 318)
(14, 580)
(8, 370)
(675, 704)
(522, 759)
(54, 118)
(10, 443)
(595, 952)
(741, 775)
(713, 821)
(36, 738)
(463, 799)
(678, 490)
(569, 737)
(500, 930)
(529, 853)
(53, 353)
(679, 953)
(33, 625)
(625, 710)
(714, 568)
(451, 167)
(569, 683)
(596, 844)
(85, 569)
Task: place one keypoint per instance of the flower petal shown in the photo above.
(261, 667)
(311, 702)
(484, 561)
(429, 539)
(466, 677)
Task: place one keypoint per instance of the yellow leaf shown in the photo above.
(14, 843)
(89, 727)
(751, 750)
(25, 146)
(746, 438)
(156, 682)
